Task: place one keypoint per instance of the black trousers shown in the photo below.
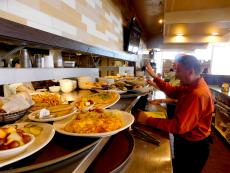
(190, 157)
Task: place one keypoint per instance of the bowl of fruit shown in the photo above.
(13, 141)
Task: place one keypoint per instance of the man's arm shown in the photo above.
(168, 89)
(182, 122)
(159, 101)
(171, 91)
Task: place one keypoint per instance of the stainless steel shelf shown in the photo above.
(10, 75)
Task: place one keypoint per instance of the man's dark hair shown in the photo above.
(190, 62)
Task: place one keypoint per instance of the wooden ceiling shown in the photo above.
(191, 5)
(149, 12)
(195, 21)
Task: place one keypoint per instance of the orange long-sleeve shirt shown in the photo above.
(193, 114)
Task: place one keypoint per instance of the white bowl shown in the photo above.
(8, 153)
(66, 85)
(67, 89)
(54, 89)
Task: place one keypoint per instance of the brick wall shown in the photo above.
(95, 22)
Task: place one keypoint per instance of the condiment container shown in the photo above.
(225, 87)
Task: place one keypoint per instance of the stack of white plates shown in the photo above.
(85, 82)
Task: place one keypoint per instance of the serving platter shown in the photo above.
(32, 116)
(114, 100)
(102, 100)
(127, 120)
(109, 90)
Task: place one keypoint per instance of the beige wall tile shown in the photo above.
(70, 36)
(33, 4)
(70, 3)
(3, 5)
(89, 11)
(43, 27)
(63, 26)
(29, 13)
(12, 17)
(55, 3)
(106, 32)
(82, 2)
(72, 17)
(101, 27)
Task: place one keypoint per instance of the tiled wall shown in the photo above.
(95, 22)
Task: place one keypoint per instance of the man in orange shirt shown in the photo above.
(191, 124)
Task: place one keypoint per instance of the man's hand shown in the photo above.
(155, 101)
(150, 82)
(150, 70)
(159, 101)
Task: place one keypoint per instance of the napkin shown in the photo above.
(16, 102)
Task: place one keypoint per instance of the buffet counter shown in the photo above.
(146, 157)
(119, 153)
(216, 88)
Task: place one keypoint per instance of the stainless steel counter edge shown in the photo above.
(218, 89)
(85, 163)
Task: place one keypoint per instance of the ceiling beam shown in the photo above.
(183, 46)
(193, 39)
(197, 16)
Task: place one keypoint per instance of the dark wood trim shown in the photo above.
(25, 35)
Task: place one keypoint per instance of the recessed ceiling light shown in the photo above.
(179, 34)
(160, 21)
(215, 33)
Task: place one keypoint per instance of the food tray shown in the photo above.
(114, 155)
(60, 148)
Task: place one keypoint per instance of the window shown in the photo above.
(221, 60)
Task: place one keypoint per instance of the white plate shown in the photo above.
(127, 118)
(40, 141)
(104, 106)
(117, 91)
(32, 117)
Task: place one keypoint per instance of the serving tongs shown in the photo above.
(141, 134)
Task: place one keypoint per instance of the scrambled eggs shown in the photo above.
(96, 121)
